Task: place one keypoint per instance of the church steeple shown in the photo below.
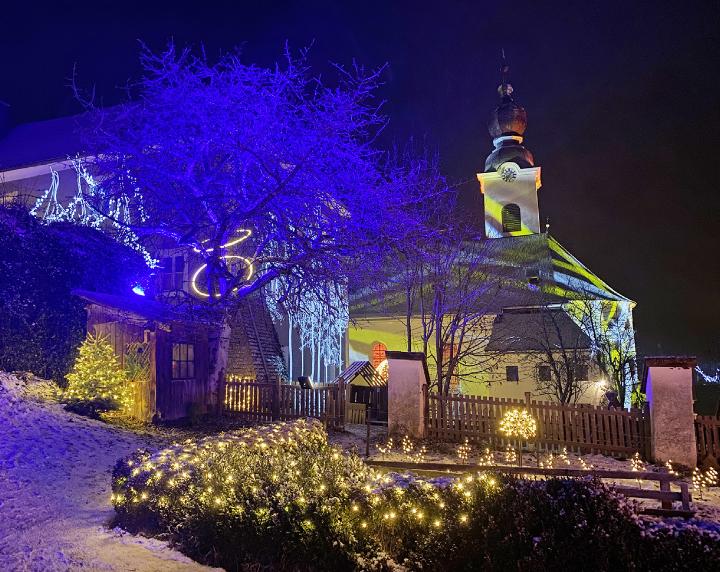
(507, 125)
(510, 181)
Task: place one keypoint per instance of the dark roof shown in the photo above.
(40, 142)
(534, 270)
(364, 370)
(536, 330)
(138, 305)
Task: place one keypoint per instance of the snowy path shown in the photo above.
(55, 493)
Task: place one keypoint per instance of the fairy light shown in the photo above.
(463, 451)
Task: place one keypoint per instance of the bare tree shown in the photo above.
(561, 353)
(609, 326)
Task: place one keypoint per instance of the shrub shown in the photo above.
(273, 495)
(41, 322)
(97, 382)
(282, 497)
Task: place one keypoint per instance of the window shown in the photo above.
(171, 273)
(581, 372)
(511, 218)
(377, 354)
(511, 373)
(544, 373)
(183, 361)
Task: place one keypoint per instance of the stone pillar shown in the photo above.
(668, 387)
(407, 383)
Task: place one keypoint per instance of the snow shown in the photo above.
(55, 489)
(55, 511)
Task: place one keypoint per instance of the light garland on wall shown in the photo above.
(78, 211)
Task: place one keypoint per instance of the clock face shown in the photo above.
(508, 173)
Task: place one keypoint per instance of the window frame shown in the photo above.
(544, 368)
(185, 361)
(516, 374)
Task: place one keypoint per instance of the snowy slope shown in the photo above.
(55, 491)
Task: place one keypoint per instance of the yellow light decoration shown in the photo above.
(518, 423)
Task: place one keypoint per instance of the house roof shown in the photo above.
(529, 270)
(138, 305)
(363, 370)
(40, 142)
(535, 330)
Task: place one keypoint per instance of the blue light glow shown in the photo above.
(138, 289)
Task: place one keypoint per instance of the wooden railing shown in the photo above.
(665, 495)
(707, 433)
(266, 402)
(579, 428)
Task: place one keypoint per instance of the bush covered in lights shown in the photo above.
(281, 496)
(275, 495)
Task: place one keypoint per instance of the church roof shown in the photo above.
(530, 270)
(39, 143)
(535, 330)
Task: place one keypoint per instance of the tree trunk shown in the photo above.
(219, 344)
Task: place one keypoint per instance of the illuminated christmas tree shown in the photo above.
(97, 377)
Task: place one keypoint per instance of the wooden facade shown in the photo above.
(166, 392)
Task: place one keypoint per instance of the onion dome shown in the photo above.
(507, 125)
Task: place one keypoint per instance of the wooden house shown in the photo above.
(366, 390)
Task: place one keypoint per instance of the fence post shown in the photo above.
(668, 386)
(275, 406)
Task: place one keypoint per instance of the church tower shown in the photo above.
(511, 180)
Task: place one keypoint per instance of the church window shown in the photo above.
(581, 372)
(511, 218)
(544, 373)
(512, 373)
(377, 354)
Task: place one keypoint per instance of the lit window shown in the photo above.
(511, 373)
(183, 361)
(544, 373)
(511, 218)
(378, 354)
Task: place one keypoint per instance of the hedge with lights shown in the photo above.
(282, 497)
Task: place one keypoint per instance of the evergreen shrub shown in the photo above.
(97, 382)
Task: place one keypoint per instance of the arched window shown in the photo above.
(511, 218)
(377, 353)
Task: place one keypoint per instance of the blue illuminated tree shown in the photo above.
(226, 151)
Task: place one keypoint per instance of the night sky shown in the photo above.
(624, 114)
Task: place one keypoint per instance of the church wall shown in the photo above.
(391, 332)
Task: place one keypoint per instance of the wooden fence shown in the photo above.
(266, 402)
(707, 434)
(580, 428)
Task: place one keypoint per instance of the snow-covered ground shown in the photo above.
(55, 490)
(55, 486)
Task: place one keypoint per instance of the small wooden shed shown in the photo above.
(366, 389)
(170, 354)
